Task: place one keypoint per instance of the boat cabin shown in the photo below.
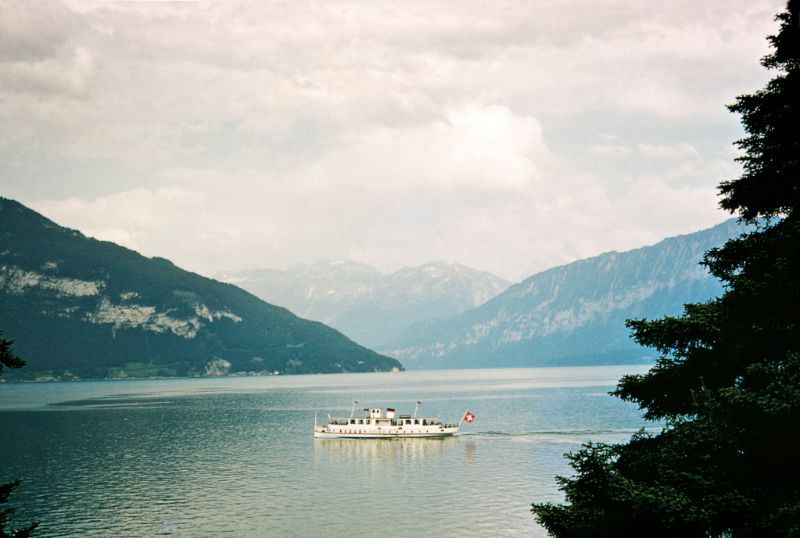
(375, 417)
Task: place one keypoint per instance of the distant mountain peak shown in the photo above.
(367, 305)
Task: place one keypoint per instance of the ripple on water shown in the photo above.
(229, 457)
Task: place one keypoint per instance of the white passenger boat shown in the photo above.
(374, 424)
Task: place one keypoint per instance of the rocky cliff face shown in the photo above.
(366, 305)
(573, 314)
(81, 307)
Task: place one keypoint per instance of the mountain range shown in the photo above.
(371, 307)
(572, 314)
(79, 307)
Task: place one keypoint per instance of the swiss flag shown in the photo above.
(469, 417)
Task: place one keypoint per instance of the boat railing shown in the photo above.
(346, 421)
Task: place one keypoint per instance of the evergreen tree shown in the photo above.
(25, 532)
(7, 357)
(728, 383)
(9, 360)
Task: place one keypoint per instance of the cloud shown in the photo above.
(39, 52)
(510, 136)
(67, 74)
(609, 150)
(682, 150)
(209, 222)
(471, 147)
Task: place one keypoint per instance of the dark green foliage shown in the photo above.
(56, 332)
(9, 360)
(5, 513)
(7, 357)
(728, 384)
(769, 185)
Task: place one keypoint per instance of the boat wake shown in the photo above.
(612, 435)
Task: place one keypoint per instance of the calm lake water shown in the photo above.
(236, 456)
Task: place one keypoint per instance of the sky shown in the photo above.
(506, 136)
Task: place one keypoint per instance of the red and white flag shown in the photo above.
(469, 417)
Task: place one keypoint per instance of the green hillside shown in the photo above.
(95, 309)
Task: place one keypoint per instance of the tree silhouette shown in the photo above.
(728, 383)
(9, 360)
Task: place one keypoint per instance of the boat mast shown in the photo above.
(353, 411)
(416, 408)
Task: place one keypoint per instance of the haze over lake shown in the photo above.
(236, 456)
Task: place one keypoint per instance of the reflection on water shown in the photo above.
(237, 457)
(469, 447)
(386, 452)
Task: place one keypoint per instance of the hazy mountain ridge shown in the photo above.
(573, 313)
(371, 307)
(96, 309)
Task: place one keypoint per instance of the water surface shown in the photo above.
(236, 456)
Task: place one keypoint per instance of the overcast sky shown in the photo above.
(507, 136)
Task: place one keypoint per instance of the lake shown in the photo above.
(235, 456)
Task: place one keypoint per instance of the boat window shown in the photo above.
(352, 421)
(408, 422)
(367, 421)
(416, 421)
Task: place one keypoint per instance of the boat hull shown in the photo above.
(322, 433)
